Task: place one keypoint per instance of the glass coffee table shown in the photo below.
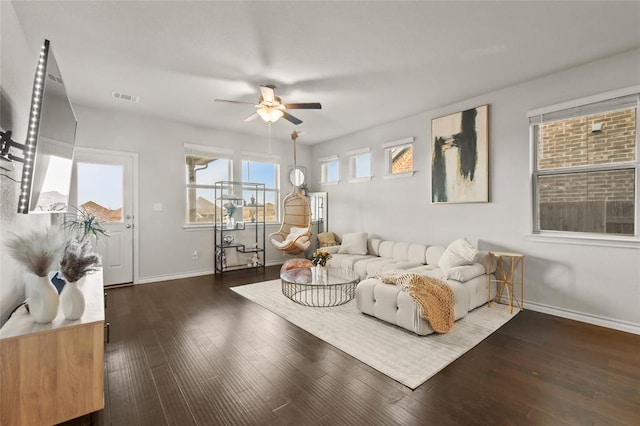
(310, 287)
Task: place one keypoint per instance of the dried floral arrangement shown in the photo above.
(38, 251)
(78, 260)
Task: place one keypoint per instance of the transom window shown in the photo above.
(268, 173)
(586, 168)
(359, 165)
(202, 170)
(329, 170)
(399, 157)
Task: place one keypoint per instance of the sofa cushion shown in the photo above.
(373, 246)
(347, 261)
(465, 272)
(376, 266)
(438, 273)
(399, 266)
(401, 251)
(433, 254)
(458, 253)
(417, 253)
(354, 243)
(386, 249)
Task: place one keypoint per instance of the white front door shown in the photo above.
(103, 182)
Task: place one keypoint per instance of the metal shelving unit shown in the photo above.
(239, 221)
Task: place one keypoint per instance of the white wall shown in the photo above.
(165, 247)
(595, 284)
(17, 69)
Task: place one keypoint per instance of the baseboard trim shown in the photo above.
(169, 277)
(582, 317)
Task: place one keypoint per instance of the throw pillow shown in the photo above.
(354, 243)
(327, 239)
(458, 253)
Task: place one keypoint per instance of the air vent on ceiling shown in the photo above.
(124, 97)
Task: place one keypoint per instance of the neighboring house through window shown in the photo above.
(266, 171)
(586, 167)
(203, 167)
(398, 157)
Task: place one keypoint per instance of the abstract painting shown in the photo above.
(460, 157)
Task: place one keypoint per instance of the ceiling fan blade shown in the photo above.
(304, 105)
(291, 118)
(267, 93)
(234, 102)
(252, 117)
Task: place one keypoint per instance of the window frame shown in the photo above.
(208, 152)
(323, 169)
(388, 157)
(353, 165)
(270, 159)
(605, 102)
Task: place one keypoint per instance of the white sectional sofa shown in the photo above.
(387, 302)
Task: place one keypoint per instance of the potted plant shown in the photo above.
(84, 223)
(230, 208)
(38, 251)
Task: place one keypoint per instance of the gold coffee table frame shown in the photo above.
(507, 267)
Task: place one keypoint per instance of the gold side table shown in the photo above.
(507, 277)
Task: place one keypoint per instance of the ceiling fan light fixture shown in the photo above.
(270, 115)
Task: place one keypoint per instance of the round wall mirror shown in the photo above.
(296, 177)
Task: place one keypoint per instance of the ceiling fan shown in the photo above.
(270, 107)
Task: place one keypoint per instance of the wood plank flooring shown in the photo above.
(192, 352)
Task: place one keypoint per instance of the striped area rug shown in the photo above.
(406, 357)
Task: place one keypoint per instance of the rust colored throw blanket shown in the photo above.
(434, 297)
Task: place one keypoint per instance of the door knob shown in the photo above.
(128, 225)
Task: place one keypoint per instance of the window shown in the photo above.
(202, 170)
(267, 173)
(329, 170)
(359, 165)
(586, 168)
(399, 157)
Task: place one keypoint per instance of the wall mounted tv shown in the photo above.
(48, 152)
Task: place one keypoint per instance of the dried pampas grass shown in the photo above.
(38, 251)
(78, 260)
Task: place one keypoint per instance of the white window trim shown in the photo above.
(325, 160)
(601, 97)
(399, 142)
(388, 146)
(606, 240)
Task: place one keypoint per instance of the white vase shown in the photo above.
(43, 298)
(72, 300)
(321, 275)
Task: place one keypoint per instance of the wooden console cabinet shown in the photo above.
(50, 373)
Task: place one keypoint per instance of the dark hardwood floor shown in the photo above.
(192, 352)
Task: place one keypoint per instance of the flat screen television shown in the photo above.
(48, 152)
